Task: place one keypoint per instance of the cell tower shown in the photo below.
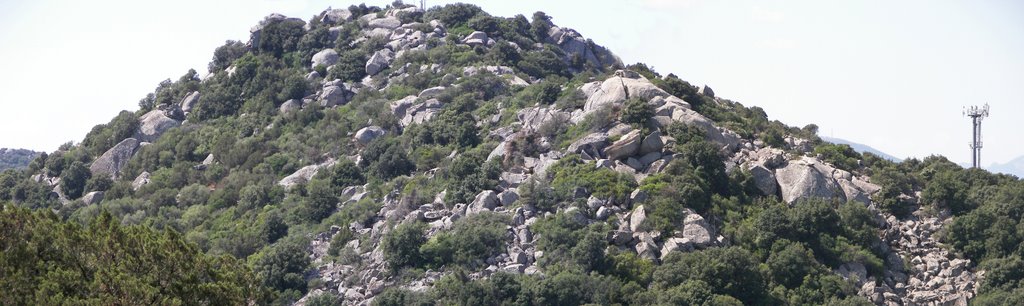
(977, 114)
(423, 5)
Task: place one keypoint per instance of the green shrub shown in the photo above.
(471, 239)
(571, 172)
(401, 246)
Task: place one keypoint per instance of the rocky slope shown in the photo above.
(917, 268)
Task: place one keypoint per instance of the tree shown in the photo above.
(637, 112)
(401, 246)
(74, 179)
(50, 262)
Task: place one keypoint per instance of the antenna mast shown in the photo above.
(423, 5)
(977, 114)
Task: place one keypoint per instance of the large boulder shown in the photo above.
(705, 90)
(421, 112)
(697, 230)
(399, 107)
(765, 180)
(652, 143)
(728, 140)
(484, 201)
(91, 198)
(326, 58)
(617, 89)
(334, 95)
(290, 105)
(637, 219)
(303, 175)
(432, 92)
(111, 162)
(591, 145)
(189, 101)
(477, 38)
(140, 180)
(532, 118)
(153, 124)
(575, 45)
(380, 60)
(626, 146)
(367, 134)
(808, 178)
(335, 16)
(389, 23)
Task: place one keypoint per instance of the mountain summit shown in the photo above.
(396, 156)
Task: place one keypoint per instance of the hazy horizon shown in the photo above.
(895, 79)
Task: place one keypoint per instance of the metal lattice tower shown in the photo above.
(977, 114)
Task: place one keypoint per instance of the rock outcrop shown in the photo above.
(326, 58)
(111, 162)
(153, 124)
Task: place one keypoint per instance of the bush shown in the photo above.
(74, 179)
(637, 113)
(728, 271)
(401, 247)
(571, 172)
(840, 155)
(470, 240)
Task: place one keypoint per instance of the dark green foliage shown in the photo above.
(543, 63)
(401, 246)
(104, 136)
(325, 299)
(401, 297)
(637, 112)
(540, 25)
(384, 159)
(49, 262)
(729, 271)
(840, 155)
(470, 240)
(570, 244)
(572, 172)
(279, 37)
(343, 174)
(73, 180)
(282, 265)
(351, 66)
(453, 15)
(321, 201)
(224, 55)
(469, 174)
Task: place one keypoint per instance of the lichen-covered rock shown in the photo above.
(153, 124)
(189, 101)
(91, 198)
(334, 95)
(378, 61)
(326, 58)
(111, 162)
(627, 146)
(805, 178)
(304, 174)
(367, 134)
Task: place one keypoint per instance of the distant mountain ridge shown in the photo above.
(16, 158)
(862, 148)
(1014, 167)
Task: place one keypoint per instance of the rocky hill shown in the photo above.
(16, 158)
(395, 156)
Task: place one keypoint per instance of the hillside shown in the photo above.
(16, 158)
(395, 156)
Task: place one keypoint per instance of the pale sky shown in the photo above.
(890, 74)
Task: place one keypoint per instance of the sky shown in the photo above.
(894, 75)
